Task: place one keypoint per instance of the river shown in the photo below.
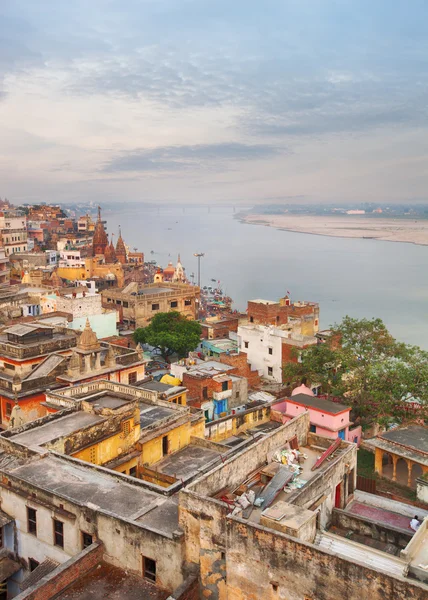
(356, 277)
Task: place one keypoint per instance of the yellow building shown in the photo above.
(126, 429)
(94, 267)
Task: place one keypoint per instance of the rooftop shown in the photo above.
(321, 404)
(107, 581)
(109, 401)
(88, 486)
(157, 386)
(413, 436)
(57, 428)
(150, 414)
(261, 301)
(186, 462)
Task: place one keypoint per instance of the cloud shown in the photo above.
(168, 158)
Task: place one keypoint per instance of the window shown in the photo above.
(125, 304)
(187, 303)
(205, 393)
(251, 319)
(93, 455)
(179, 400)
(133, 471)
(165, 445)
(132, 377)
(174, 304)
(126, 428)
(33, 563)
(8, 409)
(246, 344)
(155, 306)
(149, 568)
(86, 539)
(270, 371)
(31, 520)
(270, 350)
(313, 428)
(224, 386)
(58, 533)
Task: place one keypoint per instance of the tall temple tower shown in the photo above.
(121, 249)
(100, 240)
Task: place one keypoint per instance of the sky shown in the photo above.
(193, 101)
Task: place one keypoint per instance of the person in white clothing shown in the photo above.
(415, 523)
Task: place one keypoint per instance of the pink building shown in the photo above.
(327, 418)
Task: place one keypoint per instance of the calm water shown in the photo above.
(361, 278)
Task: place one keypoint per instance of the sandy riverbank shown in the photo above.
(352, 226)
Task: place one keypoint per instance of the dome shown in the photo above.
(88, 340)
(302, 389)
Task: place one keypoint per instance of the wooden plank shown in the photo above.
(327, 453)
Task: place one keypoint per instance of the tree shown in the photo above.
(170, 333)
(361, 361)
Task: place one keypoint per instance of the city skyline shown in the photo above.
(167, 101)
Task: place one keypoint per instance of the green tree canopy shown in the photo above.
(170, 333)
(362, 362)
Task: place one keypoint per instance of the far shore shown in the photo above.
(349, 226)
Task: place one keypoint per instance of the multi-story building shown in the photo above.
(13, 229)
(301, 317)
(139, 303)
(273, 514)
(269, 348)
(22, 348)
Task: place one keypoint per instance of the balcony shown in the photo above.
(222, 395)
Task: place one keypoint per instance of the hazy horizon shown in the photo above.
(193, 102)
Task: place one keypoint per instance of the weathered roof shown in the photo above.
(5, 519)
(322, 404)
(44, 568)
(55, 429)
(86, 486)
(46, 366)
(412, 436)
(21, 330)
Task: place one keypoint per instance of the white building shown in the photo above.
(71, 258)
(13, 228)
(268, 348)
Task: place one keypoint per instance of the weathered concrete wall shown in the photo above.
(370, 528)
(203, 521)
(124, 542)
(422, 489)
(188, 590)
(266, 564)
(233, 471)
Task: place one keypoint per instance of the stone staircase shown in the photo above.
(352, 551)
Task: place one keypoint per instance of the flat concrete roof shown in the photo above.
(56, 429)
(413, 436)
(86, 486)
(109, 401)
(186, 462)
(106, 581)
(154, 290)
(149, 414)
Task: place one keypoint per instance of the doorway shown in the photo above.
(165, 445)
(337, 495)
